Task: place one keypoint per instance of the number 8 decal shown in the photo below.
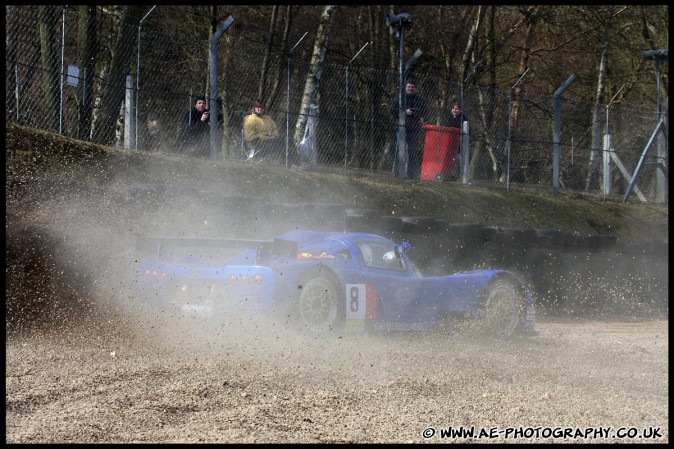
(355, 301)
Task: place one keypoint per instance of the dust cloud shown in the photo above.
(88, 361)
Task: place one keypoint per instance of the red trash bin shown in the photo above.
(441, 145)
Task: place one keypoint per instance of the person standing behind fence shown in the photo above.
(260, 132)
(415, 111)
(456, 118)
(193, 137)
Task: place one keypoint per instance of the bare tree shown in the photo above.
(315, 71)
(86, 60)
(113, 91)
(649, 32)
(11, 45)
(595, 150)
(393, 47)
(450, 49)
(469, 52)
(48, 51)
(486, 104)
(531, 15)
(275, 84)
(267, 52)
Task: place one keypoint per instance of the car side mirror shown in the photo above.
(402, 247)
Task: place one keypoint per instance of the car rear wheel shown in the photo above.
(320, 308)
(502, 311)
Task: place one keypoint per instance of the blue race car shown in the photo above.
(329, 282)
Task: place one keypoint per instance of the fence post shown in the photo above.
(607, 148)
(214, 84)
(128, 113)
(556, 132)
(63, 75)
(607, 163)
(401, 154)
(16, 91)
(465, 153)
(464, 160)
(510, 127)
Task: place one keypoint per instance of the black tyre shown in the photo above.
(418, 225)
(320, 308)
(502, 311)
(325, 216)
(362, 220)
(392, 223)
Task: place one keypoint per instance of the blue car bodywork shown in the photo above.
(328, 281)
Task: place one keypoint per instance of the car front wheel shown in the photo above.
(320, 308)
(502, 310)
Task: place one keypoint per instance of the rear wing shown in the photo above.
(167, 246)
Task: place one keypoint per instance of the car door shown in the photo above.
(391, 279)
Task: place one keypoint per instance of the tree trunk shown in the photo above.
(486, 105)
(12, 67)
(113, 91)
(531, 16)
(49, 43)
(373, 134)
(591, 182)
(86, 61)
(315, 71)
(261, 90)
(393, 45)
(470, 45)
(275, 87)
(468, 57)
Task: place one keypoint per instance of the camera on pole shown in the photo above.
(403, 19)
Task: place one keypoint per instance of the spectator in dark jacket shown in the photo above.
(415, 111)
(193, 138)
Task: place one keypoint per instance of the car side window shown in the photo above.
(379, 255)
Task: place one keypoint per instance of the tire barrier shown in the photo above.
(468, 231)
(391, 224)
(361, 220)
(336, 217)
(418, 225)
(507, 236)
(325, 216)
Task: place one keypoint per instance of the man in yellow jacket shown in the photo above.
(260, 132)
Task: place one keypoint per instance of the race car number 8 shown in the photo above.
(355, 300)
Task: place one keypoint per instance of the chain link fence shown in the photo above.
(510, 138)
